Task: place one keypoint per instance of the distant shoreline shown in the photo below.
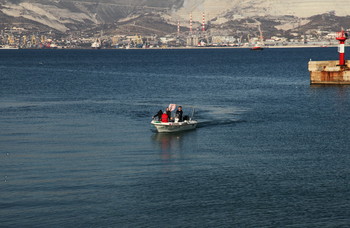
(177, 48)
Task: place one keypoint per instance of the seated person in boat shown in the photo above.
(159, 115)
(179, 113)
(168, 112)
(165, 118)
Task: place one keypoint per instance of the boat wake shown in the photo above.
(216, 115)
(218, 122)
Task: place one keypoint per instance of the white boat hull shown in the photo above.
(174, 127)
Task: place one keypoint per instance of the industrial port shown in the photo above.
(194, 33)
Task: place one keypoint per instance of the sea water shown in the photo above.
(77, 148)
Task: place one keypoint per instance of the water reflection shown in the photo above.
(169, 144)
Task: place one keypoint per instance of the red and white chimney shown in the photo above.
(203, 22)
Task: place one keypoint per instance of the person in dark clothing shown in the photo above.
(159, 115)
(179, 113)
(168, 112)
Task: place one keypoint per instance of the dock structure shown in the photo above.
(332, 72)
(329, 72)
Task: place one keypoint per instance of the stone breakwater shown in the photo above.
(329, 72)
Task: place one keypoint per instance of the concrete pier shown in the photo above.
(329, 72)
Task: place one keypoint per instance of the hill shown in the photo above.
(160, 17)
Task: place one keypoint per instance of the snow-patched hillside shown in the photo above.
(49, 15)
(64, 15)
(247, 8)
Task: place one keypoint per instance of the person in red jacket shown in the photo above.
(165, 118)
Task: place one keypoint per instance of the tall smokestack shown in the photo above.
(203, 22)
(191, 23)
(178, 28)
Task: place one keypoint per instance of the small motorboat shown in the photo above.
(174, 124)
(257, 48)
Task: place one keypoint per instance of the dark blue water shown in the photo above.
(77, 149)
